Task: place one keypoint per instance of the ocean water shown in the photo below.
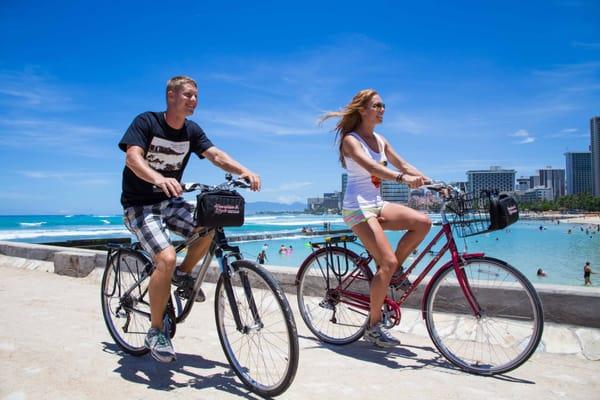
(524, 245)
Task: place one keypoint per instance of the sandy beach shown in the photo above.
(588, 219)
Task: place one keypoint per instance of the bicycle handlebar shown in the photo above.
(229, 183)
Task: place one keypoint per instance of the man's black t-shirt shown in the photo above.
(167, 151)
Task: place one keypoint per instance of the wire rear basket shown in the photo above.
(470, 213)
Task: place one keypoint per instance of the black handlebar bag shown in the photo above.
(219, 208)
(504, 211)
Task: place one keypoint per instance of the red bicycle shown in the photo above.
(481, 313)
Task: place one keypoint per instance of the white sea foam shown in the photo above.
(105, 221)
(26, 224)
(9, 235)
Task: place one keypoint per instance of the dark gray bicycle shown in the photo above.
(254, 320)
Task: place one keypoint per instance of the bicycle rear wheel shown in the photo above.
(333, 295)
(508, 329)
(125, 302)
(264, 352)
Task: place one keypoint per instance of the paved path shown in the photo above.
(54, 345)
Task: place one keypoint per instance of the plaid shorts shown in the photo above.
(150, 223)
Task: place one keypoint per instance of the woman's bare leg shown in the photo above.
(373, 238)
(397, 217)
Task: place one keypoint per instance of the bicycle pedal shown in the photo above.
(186, 293)
(326, 304)
(404, 285)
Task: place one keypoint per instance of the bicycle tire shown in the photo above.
(333, 315)
(125, 317)
(504, 336)
(271, 360)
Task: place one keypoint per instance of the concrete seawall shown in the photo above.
(562, 304)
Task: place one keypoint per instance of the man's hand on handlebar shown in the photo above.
(251, 178)
(169, 186)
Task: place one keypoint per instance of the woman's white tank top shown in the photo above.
(361, 191)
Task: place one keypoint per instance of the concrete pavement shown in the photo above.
(54, 345)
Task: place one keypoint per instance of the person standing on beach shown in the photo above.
(158, 146)
(587, 273)
(365, 155)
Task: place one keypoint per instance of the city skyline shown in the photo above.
(512, 84)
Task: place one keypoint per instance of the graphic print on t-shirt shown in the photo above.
(165, 155)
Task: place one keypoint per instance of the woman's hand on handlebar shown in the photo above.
(251, 178)
(415, 181)
(169, 186)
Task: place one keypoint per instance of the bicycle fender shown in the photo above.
(442, 269)
(308, 260)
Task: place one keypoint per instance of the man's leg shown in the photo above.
(160, 285)
(195, 252)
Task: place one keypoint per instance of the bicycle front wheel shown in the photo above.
(333, 295)
(263, 348)
(502, 335)
(125, 302)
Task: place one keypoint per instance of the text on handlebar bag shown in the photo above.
(503, 211)
(219, 208)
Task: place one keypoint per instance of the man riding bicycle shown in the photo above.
(158, 146)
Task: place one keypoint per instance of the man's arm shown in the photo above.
(136, 162)
(222, 160)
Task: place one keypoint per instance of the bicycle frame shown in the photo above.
(362, 301)
(220, 249)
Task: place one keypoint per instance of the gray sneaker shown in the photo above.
(380, 336)
(160, 346)
(398, 283)
(185, 285)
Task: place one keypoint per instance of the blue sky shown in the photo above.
(467, 85)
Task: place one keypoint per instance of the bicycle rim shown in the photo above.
(264, 354)
(127, 316)
(332, 296)
(508, 330)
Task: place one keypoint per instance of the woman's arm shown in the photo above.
(399, 162)
(353, 149)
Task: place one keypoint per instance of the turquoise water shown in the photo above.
(523, 245)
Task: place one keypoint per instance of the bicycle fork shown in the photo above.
(227, 271)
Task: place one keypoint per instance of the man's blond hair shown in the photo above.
(176, 82)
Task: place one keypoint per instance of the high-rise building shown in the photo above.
(553, 178)
(523, 184)
(579, 172)
(394, 192)
(331, 200)
(314, 203)
(344, 184)
(534, 181)
(496, 178)
(595, 148)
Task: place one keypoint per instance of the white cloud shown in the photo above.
(75, 178)
(30, 89)
(289, 199)
(525, 135)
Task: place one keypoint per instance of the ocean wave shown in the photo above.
(26, 224)
(105, 221)
(10, 235)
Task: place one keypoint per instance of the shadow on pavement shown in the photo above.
(395, 357)
(158, 376)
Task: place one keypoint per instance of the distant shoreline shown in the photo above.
(580, 218)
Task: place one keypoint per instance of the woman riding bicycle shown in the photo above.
(365, 155)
